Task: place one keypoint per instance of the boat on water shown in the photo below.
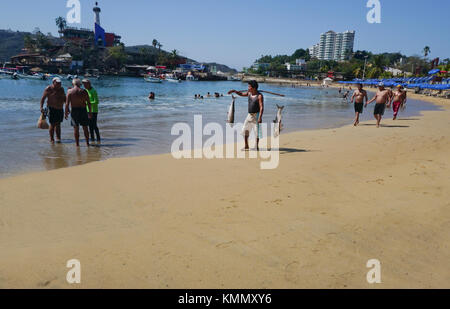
(151, 79)
(33, 76)
(234, 78)
(191, 78)
(173, 80)
(92, 74)
(72, 77)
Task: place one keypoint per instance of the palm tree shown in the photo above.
(28, 42)
(159, 46)
(61, 23)
(426, 51)
(357, 72)
(155, 43)
(174, 54)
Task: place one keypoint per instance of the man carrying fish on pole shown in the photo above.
(255, 112)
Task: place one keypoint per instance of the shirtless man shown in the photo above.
(77, 99)
(399, 99)
(382, 98)
(56, 98)
(358, 97)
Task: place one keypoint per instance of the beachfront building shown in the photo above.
(300, 65)
(334, 46)
(314, 51)
(263, 66)
(88, 37)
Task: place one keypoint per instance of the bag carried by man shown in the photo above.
(42, 122)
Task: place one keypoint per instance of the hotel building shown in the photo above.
(334, 46)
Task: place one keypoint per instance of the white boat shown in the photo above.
(151, 79)
(233, 78)
(34, 77)
(191, 78)
(173, 80)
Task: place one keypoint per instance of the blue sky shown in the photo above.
(237, 32)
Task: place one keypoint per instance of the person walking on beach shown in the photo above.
(255, 112)
(358, 97)
(77, 105)
(56, 97)
(399, 99)
(93, 98)
(382, 98)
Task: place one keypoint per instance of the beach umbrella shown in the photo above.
(435, 71)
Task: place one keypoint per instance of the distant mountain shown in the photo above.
(11, 43)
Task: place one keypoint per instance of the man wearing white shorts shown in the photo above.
(255, 112)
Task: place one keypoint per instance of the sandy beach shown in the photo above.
(339, 198)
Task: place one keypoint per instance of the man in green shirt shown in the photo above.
(93, 97)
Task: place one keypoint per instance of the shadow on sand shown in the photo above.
(385, 126)
(287, 150)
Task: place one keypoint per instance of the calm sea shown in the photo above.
(132, 126)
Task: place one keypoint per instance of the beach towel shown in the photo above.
(42, 122)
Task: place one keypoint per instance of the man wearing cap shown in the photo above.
(382, 98)
(399, 99)
(56, 97)
(93, 98)
(76, 103)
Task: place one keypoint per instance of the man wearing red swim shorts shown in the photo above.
(399, 100)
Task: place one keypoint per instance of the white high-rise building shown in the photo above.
(334, 46)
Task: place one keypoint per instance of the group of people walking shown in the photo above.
(383, 98)
(80, 103)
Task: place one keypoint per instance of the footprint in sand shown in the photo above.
(277, 201)
(291, 272)
(224, 245)
(378, 181)
(46, 283)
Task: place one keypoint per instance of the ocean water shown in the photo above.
(131, 125)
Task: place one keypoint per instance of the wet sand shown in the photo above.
(339, 198)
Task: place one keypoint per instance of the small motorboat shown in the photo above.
(33, 76)
(152, 79)
(191, 78)
(173, 80)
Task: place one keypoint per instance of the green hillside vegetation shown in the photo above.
(354, 67)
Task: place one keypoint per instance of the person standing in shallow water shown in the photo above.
(358, 97)
(93, 98)
(56, 97)
(76, 103)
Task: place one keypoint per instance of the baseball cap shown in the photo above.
(380, 84)
(57, 79)
(85, 80)
(399, 86)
